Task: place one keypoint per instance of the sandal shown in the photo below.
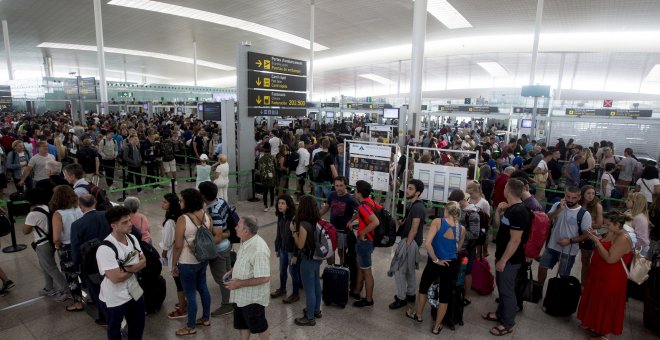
(185, 331)
(491, 316)
(413, 316)
(72, 308)
(500, 330)
(177, 313)
(437, 331)
(466, 302)
(202, 322)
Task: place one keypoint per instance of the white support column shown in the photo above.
(535, 52)
(195, 62)
(417, 63)
(5, 36)
(310, 74)
(100, 53)
(125, 73)
(562, 64)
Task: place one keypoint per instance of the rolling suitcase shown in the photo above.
(154, 294)
(335, 285)
(562, 296)
(652, 298)
(483, 281)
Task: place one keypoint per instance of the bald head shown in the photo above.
(86, 203)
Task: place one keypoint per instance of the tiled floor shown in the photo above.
(43, 318)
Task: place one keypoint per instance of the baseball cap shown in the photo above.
(204, 157)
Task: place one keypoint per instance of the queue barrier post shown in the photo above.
(190, 174)
(173, 181)
(254, 189)
(14, 247)
(123, 174)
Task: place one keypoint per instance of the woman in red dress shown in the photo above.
(603, 302)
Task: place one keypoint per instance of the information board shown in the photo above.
(263, 80)
(70, 87)
(439, 180)
(539, 110)
(366, 106)
(276, 98)
(380, 131)
(276, 112)
(87, 88)
(211, 111)
(6, 102)
(370, 163)
(271, 63)
(609, 112)
(467, 108)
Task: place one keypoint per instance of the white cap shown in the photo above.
(204, 157)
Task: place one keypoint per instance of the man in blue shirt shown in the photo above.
(517, 161)
(573, 172)
(342, 207)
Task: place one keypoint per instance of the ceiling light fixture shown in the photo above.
(447, 14)
(196, 14)
(377, 78)
(494, 68)
(137, 53)
(654, 74)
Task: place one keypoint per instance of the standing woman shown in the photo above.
(222, 182)
(590, 202)
(443, 239)
(476, 197)
(192, 273)
(303, 229)
(172, 213)
(285, 248)
(61, 149)
(282, 169)
(17, 160)
(638, 210)
(603, 303)
(648, 183)
(64, 205)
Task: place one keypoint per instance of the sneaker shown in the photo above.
(3, 292)
(304, 322)
(398, 303)
(63, 297)
(46, 292)
(277, 293)
(317, 314)
(363, 303)
(101, 322)
(9, 284)
(356, 296)
(291, 298)
(223, 310)
(266, 209)
(177, 314)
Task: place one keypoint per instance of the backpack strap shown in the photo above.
(580, 215)
(40, 231)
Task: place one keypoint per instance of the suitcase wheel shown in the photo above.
(461, 323)
(453, 328)
(342, 306)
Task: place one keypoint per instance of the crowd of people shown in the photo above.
(602, 207)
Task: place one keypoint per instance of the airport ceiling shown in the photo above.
(607, 43)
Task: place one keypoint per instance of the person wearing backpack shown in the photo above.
(108, 153)
(185, 262)
(367, 222)
(17, 160)
(74, 175)
(167, 153)
(322, 171)
(266, 168)
(120, 291)
(132, 159)
(471, 219)
(304, 230)
(38, 223)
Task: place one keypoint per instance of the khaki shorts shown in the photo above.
(169, 166)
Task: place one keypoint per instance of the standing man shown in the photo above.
(627, 168)
(541, 172)
(148, 151)
(218, 209)
(328, 171)
(120, 291)
(133, 160)
(342, 207)
(412, 233)
(274, 142)
(167, 152)
(301, 169)
(569, 221)
(249, 281)
(573, 172)
(108, 152)
(514, 222)
(367, 222)
(38, 164)
(73, 174)
(89, 159)
(500, 184)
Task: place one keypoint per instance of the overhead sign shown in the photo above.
(87, 88)
(211, 111)
(263, 80)
(271, 63)
(70, 87)
(125, 94)
(5, 99)
(609, 112)
(329, 104)
(608, 102)
(276, 98)
(368, 106)
(539, 110)
(276, 112)
(466, 108)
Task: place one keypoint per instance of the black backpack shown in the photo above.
(385, 232)
(90, 266)
(292, 160)
(102, 200)
(167, 150)
(6, 226)
(232, 222)
(153, 267)
(45, 235)
(318, 170)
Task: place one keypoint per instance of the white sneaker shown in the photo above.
(266, 209)
(46, 292)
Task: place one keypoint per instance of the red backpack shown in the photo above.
(538, 235)
(330, 230)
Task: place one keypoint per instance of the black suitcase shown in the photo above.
(154, 294)
(454, 315)
(350, 259)
(562, 296)
(652, 297)
(335, 285)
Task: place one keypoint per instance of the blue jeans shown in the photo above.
(285, 264)
(321, 190)
(193, 278)
(133, 311)
(310, 272)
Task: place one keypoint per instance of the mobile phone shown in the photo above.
(601, 231)
(226, 278)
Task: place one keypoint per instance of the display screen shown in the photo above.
(526, 123)
(211, 111)
(391, 113)
(329, 114)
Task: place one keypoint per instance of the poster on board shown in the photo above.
(380, 131)
(370, 163)
(440, 180)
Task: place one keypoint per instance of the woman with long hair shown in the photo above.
(587, 168)
(476, 197)
(285, 248)
(648, 183)
(17, 160)
(654, 217)
(303, 229)
(589, 200)
(64, 205)
(172, 209)
(442, 242)
(282, 170)
(61, 149)
(638, 210)
(222, 181)
(603, 302)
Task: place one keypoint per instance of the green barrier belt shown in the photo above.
(139, 186)
(602, 198)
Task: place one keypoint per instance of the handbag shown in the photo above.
(533, 291)
(639, 268)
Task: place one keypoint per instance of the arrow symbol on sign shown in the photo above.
(258, 81)
(258, 63)
(258, 99)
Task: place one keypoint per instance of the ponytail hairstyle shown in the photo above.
(615, 217)
(474, 185)
(453, 209)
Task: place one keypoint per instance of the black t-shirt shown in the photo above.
(199, 141)
(515, 217)
(328, 160)
(555, 169)
(342, 208)
(416, 210)
(87, 159)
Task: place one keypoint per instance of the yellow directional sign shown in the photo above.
(266, 64)
(258, 62)
(276, 98)
(266, 82)
(258, 100)
(272, 63)
(266, 100)
(263, 80)
(258, 82)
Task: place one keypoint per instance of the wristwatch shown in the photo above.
(436, 261)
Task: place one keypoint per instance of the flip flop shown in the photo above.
(437, 332)
(185, 331)
(202, 322)
(490, 316)
(500, 330)
(413, 316)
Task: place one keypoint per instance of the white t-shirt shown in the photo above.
(36, 218)
(303, 162)
(38, 164)
(566, 226)
(274, 145)
(542, 165)
(610, 183)
(650, 183)
(115, 294)
(627, 168)
(483, 205)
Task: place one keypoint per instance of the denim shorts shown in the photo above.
(551, 257)
(363, 250)
(341, 239)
